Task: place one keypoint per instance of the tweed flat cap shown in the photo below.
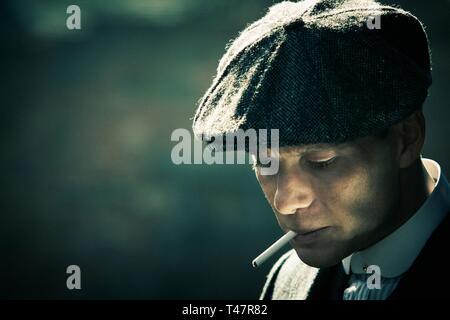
(320, 72)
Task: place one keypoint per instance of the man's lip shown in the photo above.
(306, 232)
(306, 236)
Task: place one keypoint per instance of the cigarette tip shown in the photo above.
(254, 264)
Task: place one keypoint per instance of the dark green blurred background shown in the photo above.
(86, 173)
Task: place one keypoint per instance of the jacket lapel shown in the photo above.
(329, 284)
(429, 276)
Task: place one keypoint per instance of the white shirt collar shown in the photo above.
(396, 253)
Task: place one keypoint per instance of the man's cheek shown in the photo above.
(347, 201)
(360, 212)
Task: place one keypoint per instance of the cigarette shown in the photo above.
(273, 248)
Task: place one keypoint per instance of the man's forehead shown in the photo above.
(300, 149)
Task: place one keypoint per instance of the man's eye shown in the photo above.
(321, 164)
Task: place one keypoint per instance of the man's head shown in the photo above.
(332, 86)
(352, 192)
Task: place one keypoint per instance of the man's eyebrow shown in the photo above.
(314, 147)
(323, 146)
(296, 150)
(302, 149)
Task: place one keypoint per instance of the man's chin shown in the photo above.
(318, 258)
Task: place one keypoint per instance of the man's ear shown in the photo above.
(410, 135)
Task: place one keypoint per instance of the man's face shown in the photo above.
(339, 198)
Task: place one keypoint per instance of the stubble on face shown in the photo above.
(355, 197)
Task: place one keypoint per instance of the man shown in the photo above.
(344, 82)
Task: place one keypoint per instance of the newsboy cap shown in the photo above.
(320, 71)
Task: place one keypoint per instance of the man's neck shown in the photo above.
(415, 186)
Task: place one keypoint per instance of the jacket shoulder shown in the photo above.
(289, 279)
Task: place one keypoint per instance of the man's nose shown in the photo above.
(294, 191)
